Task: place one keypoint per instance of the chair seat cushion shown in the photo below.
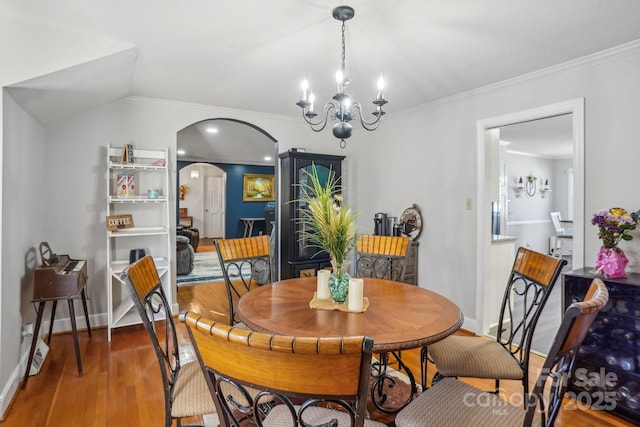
(280, 416)
(453, 403)
(191, 393)
(478, 357)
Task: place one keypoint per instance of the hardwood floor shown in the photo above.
(122, 386)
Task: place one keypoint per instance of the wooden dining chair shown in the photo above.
(309, 381)
(186, 393)
(451, 402)
(532, 278)
(246, 263)
(382, 257)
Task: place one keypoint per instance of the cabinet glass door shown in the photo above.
(323, 171)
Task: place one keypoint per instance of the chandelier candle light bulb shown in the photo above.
(379, 96)
(312, 99)
(322, 291)
(339, 81)
(356, 295)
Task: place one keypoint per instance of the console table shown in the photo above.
(248, 225)
(186, 221)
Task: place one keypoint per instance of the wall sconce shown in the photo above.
(519, 187)
(195, 174)
(545, 188)
(530, 185)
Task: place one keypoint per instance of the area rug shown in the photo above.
(396, 393)
(206, 268)
(211, 420)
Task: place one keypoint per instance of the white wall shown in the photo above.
(524, 207)
(529, 220)
(195, 198)
(428, 156)
(528, 217)
(23, 226)
(560, 187)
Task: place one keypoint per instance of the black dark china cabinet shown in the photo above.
(296, 258)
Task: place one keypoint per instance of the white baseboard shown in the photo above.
(64, 324)
(11, 387)
(471, 325)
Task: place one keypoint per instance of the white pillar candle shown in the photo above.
(356, 298)
(322, 291)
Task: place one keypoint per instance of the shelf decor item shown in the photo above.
(328, 225)
(127, 154)
(613, 227)
(126, 185)
(184, 189)
(119, 222)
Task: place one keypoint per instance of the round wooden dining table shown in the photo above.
(399, 316)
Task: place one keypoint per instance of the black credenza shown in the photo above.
(606, 374)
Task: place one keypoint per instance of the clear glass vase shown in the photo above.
(339, 281)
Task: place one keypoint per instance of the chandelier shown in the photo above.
(341, 108)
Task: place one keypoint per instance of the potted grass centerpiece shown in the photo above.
(328, 225)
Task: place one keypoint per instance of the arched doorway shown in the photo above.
(237, 148)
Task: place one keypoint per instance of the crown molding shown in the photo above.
(587, 61)
(218, 111)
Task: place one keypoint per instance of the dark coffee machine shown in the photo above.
(391, 223)
(380, 224)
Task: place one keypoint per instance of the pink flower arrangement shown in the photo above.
(614, 225)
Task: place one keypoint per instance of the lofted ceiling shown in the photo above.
(253, 54)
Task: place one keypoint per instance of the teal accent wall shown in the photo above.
(235, 207)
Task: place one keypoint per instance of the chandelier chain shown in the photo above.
(342, 65)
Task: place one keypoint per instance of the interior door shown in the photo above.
(214, 211)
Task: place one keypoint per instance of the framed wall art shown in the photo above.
(258, 188)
